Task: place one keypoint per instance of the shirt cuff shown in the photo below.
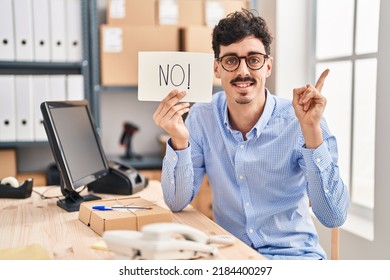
(179, 157)
(317, 159)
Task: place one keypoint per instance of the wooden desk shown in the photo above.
(64, 236)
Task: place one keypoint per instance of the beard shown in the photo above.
(243, 98)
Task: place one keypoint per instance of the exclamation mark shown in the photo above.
(189, 75)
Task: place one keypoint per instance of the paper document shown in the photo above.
(161, 72)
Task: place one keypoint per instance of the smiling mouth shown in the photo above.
(243, 85)
(243, 82)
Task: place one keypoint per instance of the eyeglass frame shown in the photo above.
(245, 57)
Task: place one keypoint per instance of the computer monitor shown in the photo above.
(76, 147)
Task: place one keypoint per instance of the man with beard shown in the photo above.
(265, 157)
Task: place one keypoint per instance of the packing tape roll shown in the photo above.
(11, 181)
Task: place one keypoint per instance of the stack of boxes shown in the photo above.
(156, 25)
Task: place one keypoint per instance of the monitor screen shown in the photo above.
(74, 142)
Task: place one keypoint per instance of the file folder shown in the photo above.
(23, 30)
(58, 30)
(7, 108)
(74, 31)
(75, 87)
(41, 93)
(41, 30)
(7, 40)
(24, 113)
(57, 88)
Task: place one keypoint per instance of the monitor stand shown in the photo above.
(72, 200)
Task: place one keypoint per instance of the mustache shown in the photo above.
(243, 79)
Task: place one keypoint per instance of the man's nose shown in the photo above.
(243, 68)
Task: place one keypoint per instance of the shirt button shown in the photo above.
(174, 158)
(250, 230)
(326, 191)
(241, 177)
(247, 204)
(242, 146)
(318, 160)
(172, 182)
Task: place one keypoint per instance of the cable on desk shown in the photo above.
(43, 196)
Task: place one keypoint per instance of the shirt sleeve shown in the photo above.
(177, 172)
(327, 192)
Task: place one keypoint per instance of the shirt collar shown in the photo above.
(262, 122)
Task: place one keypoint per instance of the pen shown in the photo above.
(104, 208)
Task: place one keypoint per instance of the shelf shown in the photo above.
(23, 144)
(43, 68)
(117, 88)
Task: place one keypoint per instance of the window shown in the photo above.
(347, 43)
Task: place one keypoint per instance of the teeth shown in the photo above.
(243, 85)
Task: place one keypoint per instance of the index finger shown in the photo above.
(321, 80)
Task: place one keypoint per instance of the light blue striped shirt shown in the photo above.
(261, 187)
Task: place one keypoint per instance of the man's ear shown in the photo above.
(216, 70)
(270, 60)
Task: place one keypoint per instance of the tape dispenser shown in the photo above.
(10, 188)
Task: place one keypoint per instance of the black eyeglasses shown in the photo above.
(254, 61)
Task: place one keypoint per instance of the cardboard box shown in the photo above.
(131, 12)
(234, 5)
(39, 178)
(214, 10)
(181, 12)
(197, 39)
(8, 166)
(120, 46)
(100, 221)
(191, 13)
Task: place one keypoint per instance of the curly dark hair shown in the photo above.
(238, 25)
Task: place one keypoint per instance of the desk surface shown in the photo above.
(35, 221)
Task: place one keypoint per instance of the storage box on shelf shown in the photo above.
(120, 46)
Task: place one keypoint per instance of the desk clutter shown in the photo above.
(121, 218)
(10, 188)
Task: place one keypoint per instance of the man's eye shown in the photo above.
(254, 60)
(231, 60)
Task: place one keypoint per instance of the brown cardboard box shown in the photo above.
(8, 166)
(100, 221)
(197, 39)
(189, 12)
(221, 8)
(234, 5)
(120, 46)
(39, 178)
(133, 12)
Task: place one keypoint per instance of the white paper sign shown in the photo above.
(161, 72)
